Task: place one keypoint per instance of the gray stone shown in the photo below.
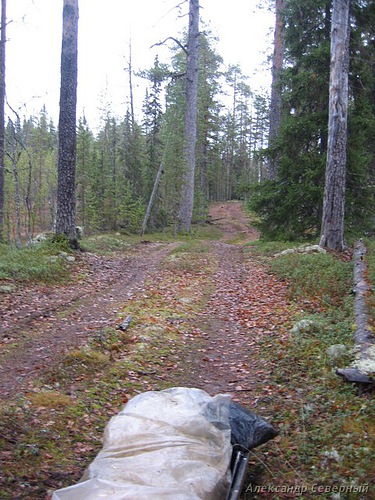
(336, 351)
(304, 324)
(302, 249)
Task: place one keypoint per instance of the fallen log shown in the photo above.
(362, 369)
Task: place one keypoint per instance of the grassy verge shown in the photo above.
(327, 428)
(42, 263)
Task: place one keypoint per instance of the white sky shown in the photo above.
(105, 28)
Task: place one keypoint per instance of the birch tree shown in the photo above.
(332, 231)
(66, 200)
(187, 191)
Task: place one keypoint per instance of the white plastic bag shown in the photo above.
(171, 444)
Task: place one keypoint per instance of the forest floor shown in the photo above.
(204, 313)
(39, 324)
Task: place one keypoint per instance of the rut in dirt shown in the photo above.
(40, 325)
(231, 358)
(245, 315)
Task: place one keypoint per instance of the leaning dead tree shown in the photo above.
(152, 197)
(362, 370)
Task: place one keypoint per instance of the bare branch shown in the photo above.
(170, 38)
(176, 76)
(178, 7)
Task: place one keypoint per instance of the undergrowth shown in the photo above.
(370, 244)
(40, 263)
(327, 430)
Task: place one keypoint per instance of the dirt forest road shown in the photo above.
(41, 323)
(38, 324)
(204, 312)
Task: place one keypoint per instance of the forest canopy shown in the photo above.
(116, 166)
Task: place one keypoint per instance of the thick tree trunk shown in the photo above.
(276, 94)
(332, 232)
(2, 112)
(187, 191)
(66, 199)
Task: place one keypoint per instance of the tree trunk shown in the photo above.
(66, 200)
(204, 163)
(276, 99)
(130, 74)
(17, 199)
(332, 232)
(362, 369)
(187, 192)
(152, 197)
(2, 105)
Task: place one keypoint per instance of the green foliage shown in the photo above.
(38, 263)
(316, 275)
(291, 207)
(360, 202)
(287, 211)
(54, 244)
(131, 212)
(370, 244)
(116, 168)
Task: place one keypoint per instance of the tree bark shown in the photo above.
(2, 112)
(66, 199)
(362, 370)
(152, 197)
(332, 232)
(130, 74)
(187, 191)
(276, 94)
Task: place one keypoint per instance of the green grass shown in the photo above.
(108, 243)
(326, 425)
(269, 248)
(314, 276)
(40, 263)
